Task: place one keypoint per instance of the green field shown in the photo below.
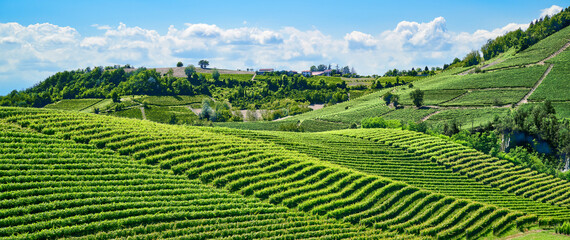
(538, 51)
(409, 114)
(556, 86)
(93, 193)
(433, 97)
(494, 97)
(384, 185)
(511, 78)
(73, 104)
(134, 112)
(163, 114)
(172, 100)
(468, 117)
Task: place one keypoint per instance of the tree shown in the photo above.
(395, 100)
(417, 97)
(313, 68)
(190, 70)
(203, 63)
(115, 97)
(216, 74)
(387, 97)
(179, 64)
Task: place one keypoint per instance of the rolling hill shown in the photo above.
(107, 168)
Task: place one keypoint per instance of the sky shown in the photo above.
(40, 38)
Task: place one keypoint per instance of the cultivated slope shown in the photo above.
(53, 188)
(278, 176)
(434, 164)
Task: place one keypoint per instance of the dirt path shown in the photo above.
(430, 115)
(143, 113)
(522, 234)
(555, 54)
(525, 98)
(253, 78)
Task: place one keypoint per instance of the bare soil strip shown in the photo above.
(554, 54)
(143, 114)
(525, 98)
(429, 115)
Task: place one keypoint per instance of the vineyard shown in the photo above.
(390, 183)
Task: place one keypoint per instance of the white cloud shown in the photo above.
(554, 9)
(40, 50)
(360, 40)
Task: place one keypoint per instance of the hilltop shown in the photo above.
(187, 153)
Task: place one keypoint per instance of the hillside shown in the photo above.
(307, 173)
(531, 76)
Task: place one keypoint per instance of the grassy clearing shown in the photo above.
(498, 97)
(73, 104)
(468, 117)
(163, 114)
(320, 126)
(538, 51)
(134, 112)
(100, 105)
(171, 100)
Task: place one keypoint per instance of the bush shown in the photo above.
(564, 228)
(379, 122)
(291, 127)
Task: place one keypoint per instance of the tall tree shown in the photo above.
(417, 97)
(179, 64)
(203, 63)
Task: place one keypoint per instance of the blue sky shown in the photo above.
(39, 38)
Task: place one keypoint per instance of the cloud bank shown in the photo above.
(29, 54)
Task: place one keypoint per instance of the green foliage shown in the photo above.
(291, 127)
(482, 141)
(203, 63)
(380, 122)
(179, 64)
(564, 228)
(471, 59)
(215, 74)
(493, 97)
(417, 97)
(520, 40)
(190, 70)
(387, 97)
(73, 104)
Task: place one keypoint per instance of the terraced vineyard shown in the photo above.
(269, 174)
(53, 188)
(451, 169)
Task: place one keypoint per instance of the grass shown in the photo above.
(320, 126)
(101, 105)
(134, 112)
(495, 97)
(409, 114)
(73, 104)
(163, 114)
(511, 78)
(172, 100)
(538, 51)
(544, 235)
(556, 86)
(468, 117)
(432, 97)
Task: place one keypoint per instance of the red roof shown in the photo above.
(266, 70)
